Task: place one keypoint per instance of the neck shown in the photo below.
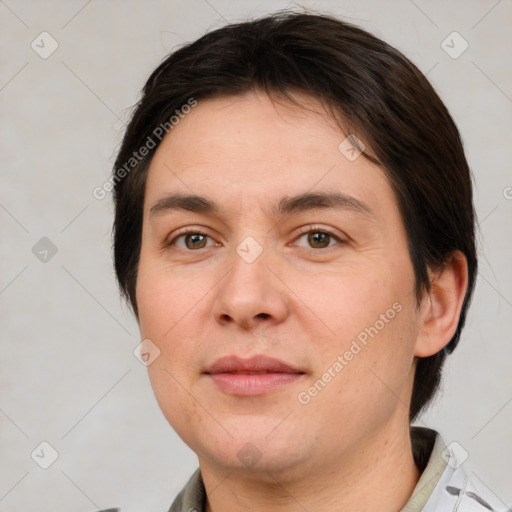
(379, 475)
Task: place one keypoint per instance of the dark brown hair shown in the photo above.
(369, 87)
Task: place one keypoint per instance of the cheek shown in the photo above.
(366, 315)
(164, 320)
(172, 313)
(165, 298)
(371, 362)
(352, 300)
(163, 305)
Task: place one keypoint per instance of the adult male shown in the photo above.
(295, 233)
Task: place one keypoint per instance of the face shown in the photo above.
(292, 250)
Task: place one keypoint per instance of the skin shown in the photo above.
(301, 302)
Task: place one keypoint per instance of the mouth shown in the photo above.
(254, 376)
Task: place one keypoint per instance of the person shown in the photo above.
(295, 233)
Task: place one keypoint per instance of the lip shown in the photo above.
(253, 376)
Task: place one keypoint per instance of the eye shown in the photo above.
(319, 238)
(192, 240)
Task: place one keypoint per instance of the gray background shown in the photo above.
(68, 374)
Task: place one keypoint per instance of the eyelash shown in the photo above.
(302, 231)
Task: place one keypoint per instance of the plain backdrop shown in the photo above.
(68, 374)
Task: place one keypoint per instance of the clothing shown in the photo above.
(443, 486)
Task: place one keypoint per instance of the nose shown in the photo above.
(251, 294)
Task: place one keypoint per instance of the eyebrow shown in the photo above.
(285, 206)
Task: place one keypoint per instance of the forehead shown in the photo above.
(249, 146)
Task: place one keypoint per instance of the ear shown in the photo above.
(441, 306)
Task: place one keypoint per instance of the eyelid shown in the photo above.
(312, 228)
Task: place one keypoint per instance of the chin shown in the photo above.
(259, 454)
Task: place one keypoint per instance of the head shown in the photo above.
(264, 120)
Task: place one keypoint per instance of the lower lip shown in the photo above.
(251, 385)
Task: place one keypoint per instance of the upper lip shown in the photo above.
(258, 363)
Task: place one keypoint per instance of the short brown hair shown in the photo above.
(376, 93)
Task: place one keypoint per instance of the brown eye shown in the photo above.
(319, 239)
(195, 241)
(191, 241)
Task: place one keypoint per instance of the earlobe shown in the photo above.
(441, 306)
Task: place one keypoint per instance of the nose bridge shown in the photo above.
(250, 293)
